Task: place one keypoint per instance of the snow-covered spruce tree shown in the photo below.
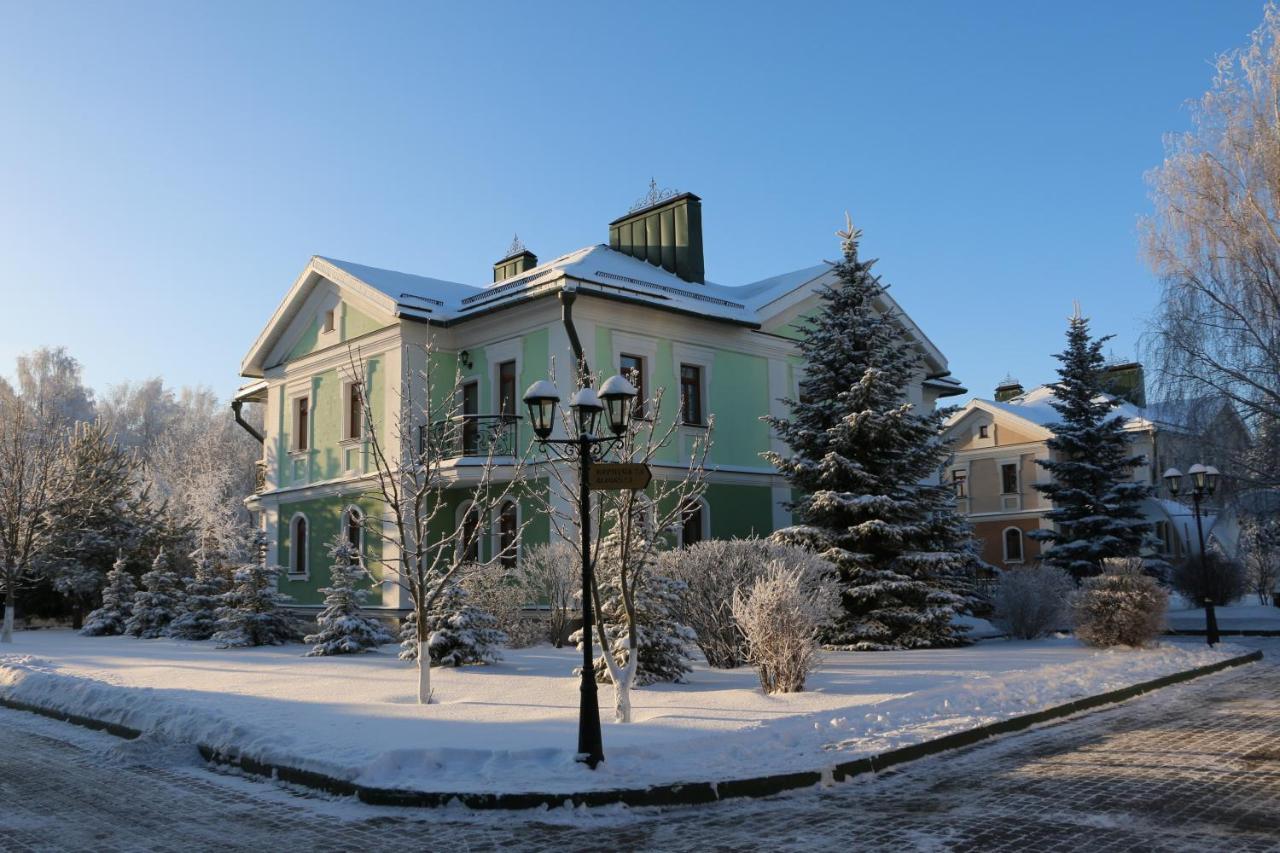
(117, 603)
(157, 603)
(458, 633)
(343, 628)
(865, 464)
(252, 612)
(197, 618)
(1096, 502)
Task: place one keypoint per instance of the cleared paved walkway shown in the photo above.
(1195, 767)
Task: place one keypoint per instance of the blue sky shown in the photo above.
(166, 169)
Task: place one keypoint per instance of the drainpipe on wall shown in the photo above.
(567, 295)
(248, 427)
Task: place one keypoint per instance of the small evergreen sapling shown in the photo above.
(458, 633)
(157, 603)
(252, 612)
(198, 618)
(117, 603)
(343, 628)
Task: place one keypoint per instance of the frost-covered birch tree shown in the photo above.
(424, 550)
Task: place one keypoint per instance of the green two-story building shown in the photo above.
(640, 303)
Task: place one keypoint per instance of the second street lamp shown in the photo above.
(542, 399)
(1204, 482)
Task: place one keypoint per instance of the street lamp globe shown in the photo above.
(1198, 473)
(542, 399)
(618, 395)
(587, 408)
(1173, 479)
(1210, 479)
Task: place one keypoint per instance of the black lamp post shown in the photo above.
(542, 398)
(1204, 481)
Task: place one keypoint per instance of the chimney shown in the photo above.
(1008, 389)
(665, 229)
(518, 260)
(1126, 380)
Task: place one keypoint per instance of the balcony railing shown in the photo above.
(259, 477)
(470, 435)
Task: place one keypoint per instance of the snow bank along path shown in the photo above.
(512, 727)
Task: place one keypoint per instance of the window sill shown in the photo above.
(690, 425)
(351, 442)
(298, 453)
(297, 576)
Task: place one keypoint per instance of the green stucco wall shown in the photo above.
(324, 521)
(739, 511)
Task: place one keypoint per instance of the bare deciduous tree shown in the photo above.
(423, 549)
(1214, 240)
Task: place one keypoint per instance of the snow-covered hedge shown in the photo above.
(1031, 602)
(780, 616)
(1124, 607)
(1221, 578)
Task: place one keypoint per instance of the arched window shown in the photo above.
(693, 526)
(469, 526)
(1012, 545)
(353, 530)
(298, 545)
(508, 526)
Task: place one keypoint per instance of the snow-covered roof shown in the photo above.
(1035, 407)
(593, 269)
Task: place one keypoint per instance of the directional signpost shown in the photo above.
(619, 475)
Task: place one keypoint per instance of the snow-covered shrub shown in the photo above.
(458, 633)
(501, 592)
(157, 603)
(780, 615)
(712, 571)
(662, 641)
(197, 617)
(552, 576)
(252, 612)
(342, 628)
(1030, 602)
(1123, 607)
(1221, 579)
(117, 603)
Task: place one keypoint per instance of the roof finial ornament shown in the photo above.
(516, 246)
(654, 196)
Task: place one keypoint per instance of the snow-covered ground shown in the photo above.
(512, 726)
(1245, 615)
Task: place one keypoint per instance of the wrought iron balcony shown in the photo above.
(470, 435)
(259, 476)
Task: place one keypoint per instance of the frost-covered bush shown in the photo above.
(342, 628)
(157, 603)
(552, 576)
(1030, 602)
(501, 592)
(712, 571)
(780, 616)
(252, 612)
(1123, 607)
(1223, 580)
(117, 603)
(458, 633)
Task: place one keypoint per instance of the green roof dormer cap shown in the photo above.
(665, 229)
(517, 260)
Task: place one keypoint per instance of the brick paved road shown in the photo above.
(1195, 767)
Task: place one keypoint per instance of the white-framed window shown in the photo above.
(506, 532)
(1009, 478)
(353, 530)
(695, 524)
(298, 538)
(469, 527)
(634, 357)
(634, 368)
(1012, 544)
(301, 422)
(960, 482)
(693, 379)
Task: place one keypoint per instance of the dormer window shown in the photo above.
(982, 431)
(329, 319)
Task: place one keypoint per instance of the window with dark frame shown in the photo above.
(691, 394)
(355, 410)
(470, 427)
(1009, 479)
(982, 431)
(507, 525)
(632, 368)
(301, 422)
(960, 479)
(1013, 545)
(507, 401)
(298, 547)
(691, 529)
(471, 535)
(355, 523)
(329, 320)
